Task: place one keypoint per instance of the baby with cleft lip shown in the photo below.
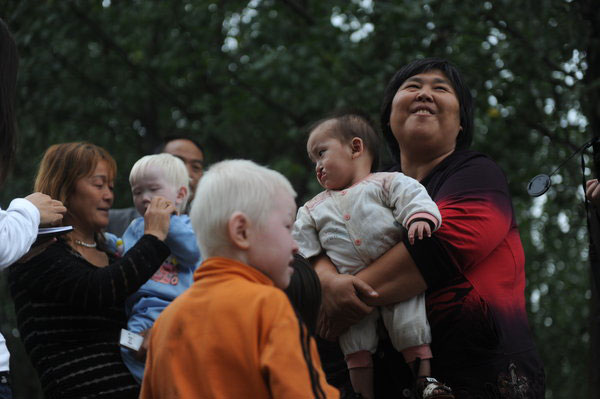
(358, 217)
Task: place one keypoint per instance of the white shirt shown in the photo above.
(357, 225)
(18, 230)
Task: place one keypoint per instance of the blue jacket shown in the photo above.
(174, 276)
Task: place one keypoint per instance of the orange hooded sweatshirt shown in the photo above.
(232, 334)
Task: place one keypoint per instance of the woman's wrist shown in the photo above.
(325, 270)
(160, 235)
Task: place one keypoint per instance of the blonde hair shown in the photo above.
(173, 169)
(228, 187)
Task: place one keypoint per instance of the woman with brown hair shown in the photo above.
(69, 299)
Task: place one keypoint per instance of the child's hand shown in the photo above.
(141, 353)
(418, 227)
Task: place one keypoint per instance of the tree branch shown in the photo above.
(532, 49)
(156, 84)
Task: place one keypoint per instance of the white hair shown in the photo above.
(173, 169)
(228, 187)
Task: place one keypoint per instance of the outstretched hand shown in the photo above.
(158, 217)
(51, 211)
(341, 305)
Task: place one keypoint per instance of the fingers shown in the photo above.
(591, 182)
(364, 289)
(427, 229)
(51, 211)
(591, 186)
(592, 191)
(162, 204)
(419, 229)
(55, 213)
(157, 217)
(411, 233)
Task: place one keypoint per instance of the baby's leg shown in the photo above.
(143, 314)
(362, 381)
(358, 343)
(410, 334)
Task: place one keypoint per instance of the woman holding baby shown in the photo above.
(472, 270)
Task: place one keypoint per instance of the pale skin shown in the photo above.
(425, 122)
(266, 245)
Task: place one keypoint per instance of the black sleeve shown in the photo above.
(59, 275)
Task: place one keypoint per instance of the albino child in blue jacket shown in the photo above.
(166, 176)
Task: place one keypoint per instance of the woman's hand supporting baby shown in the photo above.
(341, 304)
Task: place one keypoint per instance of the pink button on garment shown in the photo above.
(357, 242)
(347, 217)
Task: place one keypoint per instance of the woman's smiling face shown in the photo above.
(425, 114)
(89, 203)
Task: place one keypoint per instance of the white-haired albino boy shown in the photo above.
(166, 176)
(233, 333)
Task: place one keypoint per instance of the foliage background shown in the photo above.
(245, 78)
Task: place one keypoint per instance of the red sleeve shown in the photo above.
(476, 213)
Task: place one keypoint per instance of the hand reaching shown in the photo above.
(51, 211)
(158, 217)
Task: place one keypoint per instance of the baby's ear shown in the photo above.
(357, 146)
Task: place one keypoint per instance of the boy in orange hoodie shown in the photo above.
(234, 334)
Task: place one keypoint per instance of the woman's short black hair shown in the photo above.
(172, 137)
(465, 101)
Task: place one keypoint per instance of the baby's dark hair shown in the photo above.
(354, 124)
